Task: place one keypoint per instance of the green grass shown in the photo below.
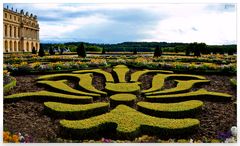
(107, 75)
(171, 110)
(199, 94)
(159, 79)
(49, 96)
(182, 86)
(121, 71)
(129, 123)
(9, 86)
(136, 75)
(63, 87)
(122, 87)
(64, 110)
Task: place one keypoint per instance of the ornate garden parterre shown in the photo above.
(161, 112)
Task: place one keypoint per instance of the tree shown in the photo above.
(41, 52)
(61, 51)
(135, 51)
(34, 51)
(81, 51)
(157, 52)
(51, 51)
(103, 51)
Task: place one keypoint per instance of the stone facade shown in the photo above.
(20, 31)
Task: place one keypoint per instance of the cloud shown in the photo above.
(114, 23)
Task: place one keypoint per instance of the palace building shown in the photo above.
(20, 31)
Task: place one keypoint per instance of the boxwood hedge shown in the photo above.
(61, 86)
(75, 111)
(9, 86)
(136, 75)
(182, 86)
(48, 96)
(128, 124)
(159, 79)
(171, 110)
(121, 71)
(199, 94)
(127, 99)
(107, 75)
(122, 87)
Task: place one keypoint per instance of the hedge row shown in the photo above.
(128, 124)
(107, 75)
(49, 96)
(199, 94)
(136, 75)
(182, 86)
(9, 86)
(159, 79)
(171, 110)
(85, 81)
(121, 71)
(126, 99)
(61, 86)
(75, 111)
(122, 87)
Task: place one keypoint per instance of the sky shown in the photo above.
(212, 23)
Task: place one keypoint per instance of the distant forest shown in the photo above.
(145, 47)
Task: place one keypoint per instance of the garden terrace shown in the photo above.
(119, 112)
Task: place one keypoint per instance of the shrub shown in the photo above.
(159, 79)
(182, 86)
(199, 94)
(107, 75)
(81, 51)
(136, 75)
(157, 52)
(123, 87)
(34, 51)
(62, 87)
(85, 81)
(49, 96)
(51, 52)
(9, 86)
(41, 52)
(127, 99)
(171, 110)
(73, 111)
(135, 124)
(121, 71)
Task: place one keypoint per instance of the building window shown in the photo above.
(15, 18)
(6, 30)
(10, 16)
(5, 15)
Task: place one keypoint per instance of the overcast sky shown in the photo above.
(116, 23)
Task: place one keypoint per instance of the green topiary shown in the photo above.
(10, 85)
(75, 111)
(41, 52)
(107, 75)
(159, 79)
(136, 75)
(62, 87)
(127, 99)
(123, 87)
(182, 86)
(121, 71)
(171, 110)
(199, 94)
(129, 123)
(81, 51)
(49, 96)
